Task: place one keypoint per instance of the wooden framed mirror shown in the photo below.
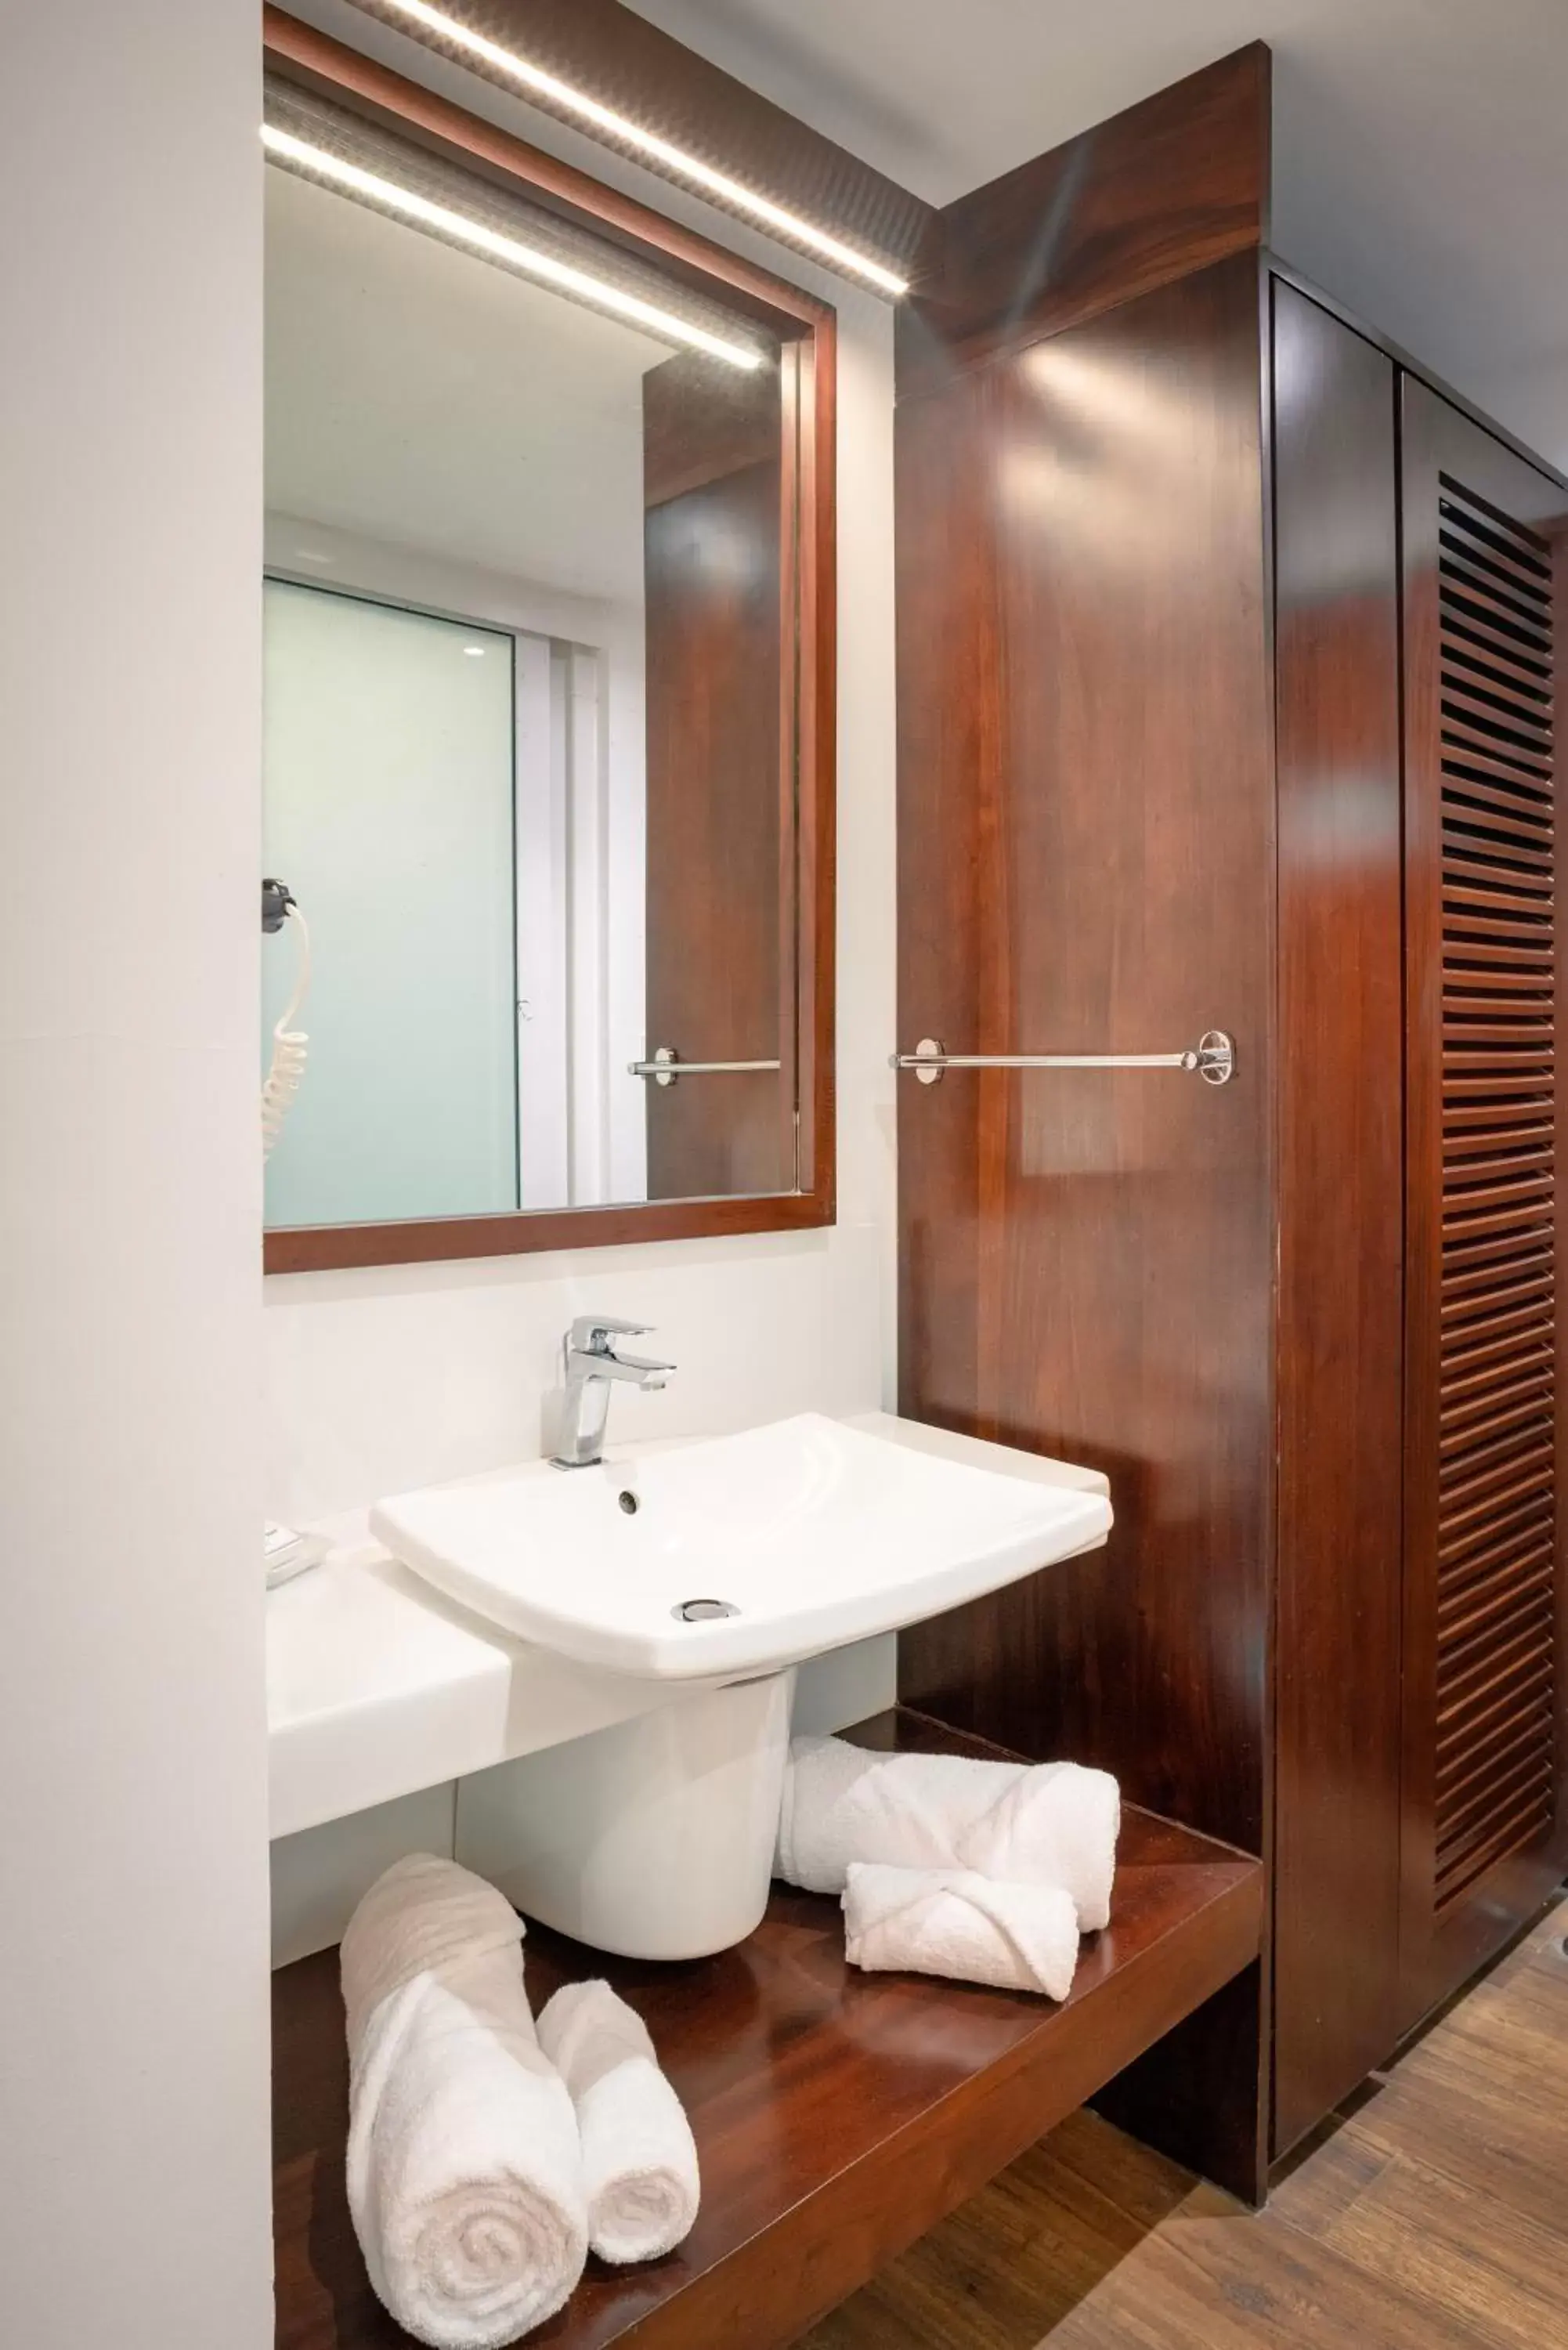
(549, 698)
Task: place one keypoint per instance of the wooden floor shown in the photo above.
(1432, 2215)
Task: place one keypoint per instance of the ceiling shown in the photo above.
(1421, 146)
(419, 395)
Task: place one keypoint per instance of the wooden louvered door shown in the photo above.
(1482, 1838)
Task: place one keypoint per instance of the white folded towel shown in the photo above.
(1022, 1823)
(640, 2160)
(464, 2168)
(950, 1921)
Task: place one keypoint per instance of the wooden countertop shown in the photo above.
(838, 2115)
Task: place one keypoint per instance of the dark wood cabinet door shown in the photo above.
(1341, 1213)
(1483, 1816)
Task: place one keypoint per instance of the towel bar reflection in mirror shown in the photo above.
(666, 1065)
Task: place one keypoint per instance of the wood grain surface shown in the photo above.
(719, 563)
(1085, 864)
(1165, 188)
(1429, 2214)
(838, 2115)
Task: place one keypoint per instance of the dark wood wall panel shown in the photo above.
(1162, 189)
(1341, 1213)
(1087, 863)
(1161, 770)
(703, 419)
(1485, 1828)
(718, 540)
(951, 943)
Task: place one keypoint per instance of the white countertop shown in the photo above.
(377, 1686)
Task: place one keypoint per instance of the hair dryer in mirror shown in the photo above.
(289, 1044)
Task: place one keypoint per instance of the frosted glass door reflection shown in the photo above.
(388, 812)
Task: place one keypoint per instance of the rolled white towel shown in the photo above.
(1022, 1823)
(950, 1921)
(464, 2169)
(639, 2158)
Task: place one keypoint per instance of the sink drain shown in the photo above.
(701, 1611)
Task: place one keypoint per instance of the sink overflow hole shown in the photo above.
(630, 1504)
(701, 1611)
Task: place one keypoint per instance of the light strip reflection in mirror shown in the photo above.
(674, 160)
(339, 172)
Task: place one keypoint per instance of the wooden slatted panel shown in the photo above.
(1496, 1659)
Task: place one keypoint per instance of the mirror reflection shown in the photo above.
(528, 697)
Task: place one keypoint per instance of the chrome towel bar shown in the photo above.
(1213, 1059)
(666, 1065)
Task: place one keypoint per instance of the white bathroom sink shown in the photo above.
(813, 1533)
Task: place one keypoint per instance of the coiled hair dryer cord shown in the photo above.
(289, 1045)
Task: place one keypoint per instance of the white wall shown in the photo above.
(1531, 397)
(133, 2053)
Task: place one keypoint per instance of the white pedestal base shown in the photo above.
(653, 1838)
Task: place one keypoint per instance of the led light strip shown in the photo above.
(674, 160)
(542, 266)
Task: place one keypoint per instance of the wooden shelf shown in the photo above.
(838, 2115)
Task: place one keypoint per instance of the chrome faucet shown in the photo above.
(591, 1363)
